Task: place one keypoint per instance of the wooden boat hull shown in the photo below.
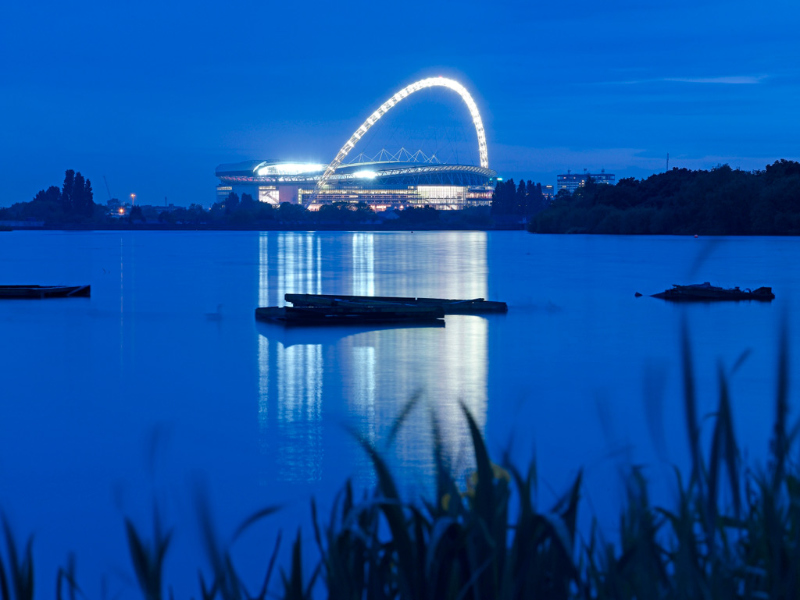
(37, 292)
(288, 315)
(705, 292)
(450, 307)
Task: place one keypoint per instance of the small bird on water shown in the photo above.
(215, 316)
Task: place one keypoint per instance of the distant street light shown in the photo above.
(133, 198)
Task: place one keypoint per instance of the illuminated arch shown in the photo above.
(391, 102)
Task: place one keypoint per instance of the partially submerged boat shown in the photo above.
(44, 291)
(350, 315)
(707, 292)
(450, 307)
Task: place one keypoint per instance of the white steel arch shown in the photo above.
(391, 102)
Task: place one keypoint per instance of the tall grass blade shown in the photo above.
(68, 575)
(448, 498)
(6, 595)
(654, 386)
(391, 506)
(401, 418)
(741, 360)
(254, 518)
(224, 580)
(19, 572)
(779, 443)
(731, 453)
(206, 593)
(148, 563)
(484, 486)
(690, 406)
(293, 584)
(723, 450)
(265, 586)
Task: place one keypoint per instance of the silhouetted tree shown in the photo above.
(537, 202)
(520, 199)
(87, 208)
(66, 191)
(504, 198)
(417, 215)
(52, 195)
(136, 214)
(77, 200)
(721, 201)
(289, 212)
(231, 202)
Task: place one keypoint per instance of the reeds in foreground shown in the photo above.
(466, 543)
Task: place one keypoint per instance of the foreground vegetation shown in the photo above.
(490, 538)
(722, 201)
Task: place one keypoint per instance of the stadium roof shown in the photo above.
(381, 172)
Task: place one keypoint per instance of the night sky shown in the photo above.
(154, 95)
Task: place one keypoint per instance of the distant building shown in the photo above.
(399, 182)
(117, 209)
(572, 181)
(548, 193)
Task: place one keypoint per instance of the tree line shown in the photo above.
(74, 201)
(719, 201)
(512, 200)
(246, 210)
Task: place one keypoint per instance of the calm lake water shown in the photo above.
(162, 382)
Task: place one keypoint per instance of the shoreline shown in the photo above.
(261, 227)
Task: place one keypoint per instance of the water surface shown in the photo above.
(163, 381)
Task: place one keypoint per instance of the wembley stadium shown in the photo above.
(383, 181)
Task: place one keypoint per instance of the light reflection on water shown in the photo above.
(374, 371)
(87, 381)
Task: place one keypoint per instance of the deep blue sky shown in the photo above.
(154, 95)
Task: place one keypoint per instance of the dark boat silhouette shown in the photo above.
(354, 314)
(36, 292)
(450, 307)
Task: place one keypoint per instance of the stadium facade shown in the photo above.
(384, 181)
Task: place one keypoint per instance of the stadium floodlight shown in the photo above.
(391, 102)
(289, 169)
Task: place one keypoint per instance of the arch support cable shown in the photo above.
(393, 101)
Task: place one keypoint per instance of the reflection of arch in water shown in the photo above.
(451, 84)
(290, 376)
(295, 268)
(363, 264)
(300, 412)
(369, 374)
(387, 368)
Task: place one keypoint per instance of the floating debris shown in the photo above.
(707, 292)
(37, 292)
(451, 307)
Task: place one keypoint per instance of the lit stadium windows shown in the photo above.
(269, 194)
